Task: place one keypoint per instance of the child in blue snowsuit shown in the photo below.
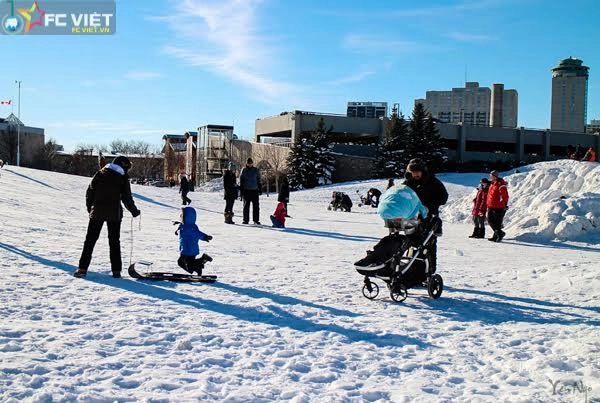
(189, 235)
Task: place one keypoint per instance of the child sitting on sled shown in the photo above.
(189, 235)
(278, 217)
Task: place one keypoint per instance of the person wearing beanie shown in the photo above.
(480, 209)
(231, 192)
(184, 188)
(432, 193)
(251, 190)
(109, 187)
(497, 203)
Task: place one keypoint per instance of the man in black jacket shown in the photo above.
(231, 192)
(251, 190)
(432, 193)
(184, 189)
(109, 187)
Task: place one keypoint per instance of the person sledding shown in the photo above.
(189, 236)
(278, 217)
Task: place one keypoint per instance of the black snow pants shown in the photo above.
(114, 242)
(251, 196)
(495, 218)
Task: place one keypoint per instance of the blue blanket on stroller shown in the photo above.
(400, 201)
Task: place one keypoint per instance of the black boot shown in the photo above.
(475, 233)
(481, 233)
(80, 273)
(494, 237)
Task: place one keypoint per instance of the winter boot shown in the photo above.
(205, 258)
(228, 218)
(475, 233)
(494, 237)
(500, 236)
(80, 273)
(116, 274)
(481, 233)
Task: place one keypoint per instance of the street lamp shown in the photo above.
(19, 126)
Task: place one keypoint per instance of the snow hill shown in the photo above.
(518, 321)
(547, 201)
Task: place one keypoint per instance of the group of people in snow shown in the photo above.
(491, 201)
(578, 153)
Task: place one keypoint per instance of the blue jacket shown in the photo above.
(400, 201)
(189, 234)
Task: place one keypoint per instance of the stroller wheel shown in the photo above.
(370, 290)
(399, 293)
(435, 286)
(329, 207)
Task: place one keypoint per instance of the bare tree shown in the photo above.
(276, 157)
(46, 156)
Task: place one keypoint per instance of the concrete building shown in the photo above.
(287, 125)
(474, 105)
(594, 126)
(367, 110)
(569, 96)
(32, 140)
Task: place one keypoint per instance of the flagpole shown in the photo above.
(19, 127)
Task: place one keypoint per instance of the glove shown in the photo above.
(89, 210)
(208, 238)
(136, 213)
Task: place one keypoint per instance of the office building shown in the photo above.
(367, 109)
(569, 96)
(474, 105)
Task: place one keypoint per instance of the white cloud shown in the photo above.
(223, 37)
(466, 37)
(378, 43)
(142, 75)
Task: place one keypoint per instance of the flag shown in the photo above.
(6, 102)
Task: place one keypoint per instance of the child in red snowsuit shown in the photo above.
(278, 217)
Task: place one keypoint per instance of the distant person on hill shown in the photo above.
(373, 196)
(184, 188)
(230, 189)
(579, 152)
(571, 152)
(432, 193)
(390, 183)
(251, 190)
(284, 194)
(109, 187)
(590, 155)
(480, 209)
(497, 203)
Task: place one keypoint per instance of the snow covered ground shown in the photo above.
(518, 321)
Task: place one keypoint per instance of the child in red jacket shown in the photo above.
(278, 217)
(480, 208)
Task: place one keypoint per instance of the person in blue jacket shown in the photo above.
(399, 202)
(189, 236)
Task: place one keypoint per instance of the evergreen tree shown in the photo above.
(311, 161)
(425, 141)
(391, 156)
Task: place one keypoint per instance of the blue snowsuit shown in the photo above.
(189, 236)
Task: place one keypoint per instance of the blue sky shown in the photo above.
(176, 65)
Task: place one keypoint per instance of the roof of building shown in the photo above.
(173, 136)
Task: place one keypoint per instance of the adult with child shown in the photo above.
(184, 188)
(497, 203)
(480, 209)
(231, 192)
(108, 188)
(251, 190)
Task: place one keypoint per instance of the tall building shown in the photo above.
(474, 105)
(569, 96)
(367, 109)
(594, 126)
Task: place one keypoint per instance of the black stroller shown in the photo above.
(340, 201)
(406, 264)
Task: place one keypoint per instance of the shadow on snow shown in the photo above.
(275, 316)
(326, 234)
(31, 179)
(152, 201)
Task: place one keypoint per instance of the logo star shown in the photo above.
(26, 13)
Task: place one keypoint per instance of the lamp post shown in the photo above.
(19, 126)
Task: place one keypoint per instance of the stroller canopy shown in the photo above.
(400, 201)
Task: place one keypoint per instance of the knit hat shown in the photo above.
(495, 173)
(485, 180)
(416, 165)
(249, 161)
(123, 162)
(231, 166)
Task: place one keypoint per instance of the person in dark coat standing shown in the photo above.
(184, 188)
(284, 194)
(109, 187)
(390, 183)
(497, 203)
(432, 193)
(231, 192)
(251, 190)
(480, 209)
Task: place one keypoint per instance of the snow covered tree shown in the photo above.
(311, 161)
(425, 141)
(391, 158)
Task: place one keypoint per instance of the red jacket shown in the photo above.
(497, 196)
(480, 202)
(280, 213)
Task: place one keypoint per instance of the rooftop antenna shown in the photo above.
(466, 75)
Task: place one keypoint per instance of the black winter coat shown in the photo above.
(106, 192)
(184, 186)
(229, 185)
(431, 191)
(284, 193)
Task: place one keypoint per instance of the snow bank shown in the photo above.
(215, 185)
(556, 200)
